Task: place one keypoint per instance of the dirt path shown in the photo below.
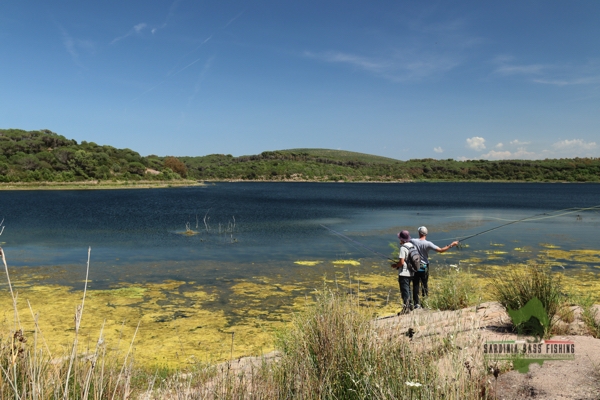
(577, 379)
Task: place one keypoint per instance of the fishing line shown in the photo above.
(355, 243)
(533, 218)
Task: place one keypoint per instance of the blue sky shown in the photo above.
(402, 79)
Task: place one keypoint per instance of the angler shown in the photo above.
(421, 277)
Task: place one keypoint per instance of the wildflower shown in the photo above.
(413, 384)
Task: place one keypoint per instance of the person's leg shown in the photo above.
(404, 282)
(415, 293)
(425, 281)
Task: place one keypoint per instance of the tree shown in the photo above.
(176, 166)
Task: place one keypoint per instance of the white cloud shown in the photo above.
(400, 66)
(476, 143)
(412, 58)
(550, 74)
(499, 145)
(520, 154)
(461, 158)
(517, 142)
(137, 29)
(73, 45)
(575, 144)
(438, 149)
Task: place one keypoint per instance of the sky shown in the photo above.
(400, 79)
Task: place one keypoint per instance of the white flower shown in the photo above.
(413, 384)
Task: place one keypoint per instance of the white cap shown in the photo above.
(422, 231)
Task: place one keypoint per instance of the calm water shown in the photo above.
(262, 228)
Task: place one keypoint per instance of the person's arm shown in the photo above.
(446, 248)
(399, 264)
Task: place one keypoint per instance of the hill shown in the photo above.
(45, 156)
(342, 155)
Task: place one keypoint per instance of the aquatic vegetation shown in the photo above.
(549, 246)
(308, 263)
(523, 249)
(581, 256)
(346, 262)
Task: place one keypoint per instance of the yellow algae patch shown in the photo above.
(495, 252)
(497, 244)
(472, 260)
(308, 263)
(523, 249)
(584, 256)
(346, 262)
(132, 292)
(176, 324)
(549, 246)
(261, 291)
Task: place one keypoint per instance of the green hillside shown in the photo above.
(343, 155)
(45, 156)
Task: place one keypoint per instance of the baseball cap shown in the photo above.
(422, 230)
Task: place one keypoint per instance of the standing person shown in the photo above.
(405, 275)
(422, 275)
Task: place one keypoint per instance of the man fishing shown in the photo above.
(421, 277)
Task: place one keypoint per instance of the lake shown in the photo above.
(260, 248)
(135, 235)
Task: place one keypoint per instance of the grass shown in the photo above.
(452, 289)
(516, 286)
(590, 316)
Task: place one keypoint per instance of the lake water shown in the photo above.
(260, 251)
(136, 235)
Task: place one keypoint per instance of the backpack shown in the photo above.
(413, 259)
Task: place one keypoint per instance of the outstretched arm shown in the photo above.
(446, 248)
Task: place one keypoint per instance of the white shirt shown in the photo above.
(404, 271)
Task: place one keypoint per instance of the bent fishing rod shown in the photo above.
(357, 243)
(530, 218)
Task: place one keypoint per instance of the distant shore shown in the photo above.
(99, 185)
(95, 184)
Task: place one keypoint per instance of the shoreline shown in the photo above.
(97, 185)
(100, 185)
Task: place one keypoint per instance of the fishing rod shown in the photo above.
(355, 242)
(531, 218)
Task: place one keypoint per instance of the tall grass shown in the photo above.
(334, 351)
(452, 289)
(28, 370)
(521, 283)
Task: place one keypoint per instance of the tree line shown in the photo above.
(35, 156)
